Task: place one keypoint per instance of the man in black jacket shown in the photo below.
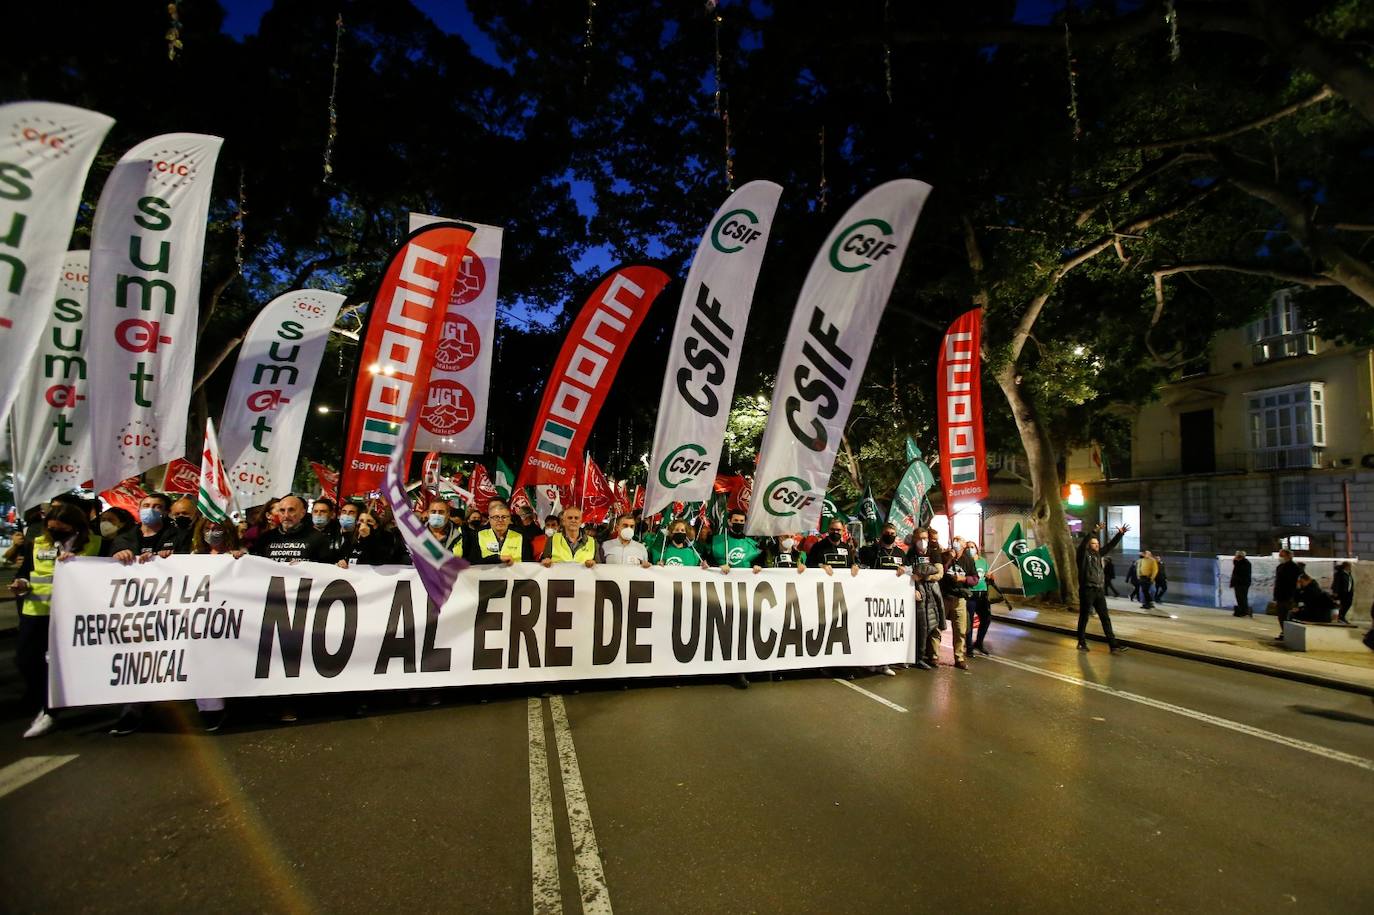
(1240, 583)
(961, 574)
(295, 539)
(1285, 587)
(1092, 585)
(886, 553)
(1343, 589)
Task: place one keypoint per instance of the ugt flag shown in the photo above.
(215, 499)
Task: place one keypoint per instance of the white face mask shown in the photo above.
(108, 529)
(550, 531)
(787, 543)
(627, 534)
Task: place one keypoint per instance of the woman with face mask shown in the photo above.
(118, 531)
(677, 548)
(65, 534)
(785, 553)
(212, 538)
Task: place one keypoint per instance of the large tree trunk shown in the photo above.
(1047, 511)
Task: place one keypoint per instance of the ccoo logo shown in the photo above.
(861, 245)
(787, 496)
(734, 230)
(680, 466)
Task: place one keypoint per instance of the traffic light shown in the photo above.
(1073, 495)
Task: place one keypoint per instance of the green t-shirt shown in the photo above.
(735, 552)
(982, 565)
(671, 555)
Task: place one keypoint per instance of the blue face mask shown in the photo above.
(320, 521)
(347, 521)
(437, 520)
(150, 516)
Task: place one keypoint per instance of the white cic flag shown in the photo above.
(269, 396)
(146, 251)
(45, 152)
(827, 348)
(215, 498)
(50, 419)
(703, 359)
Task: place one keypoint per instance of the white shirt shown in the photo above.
(618, 552)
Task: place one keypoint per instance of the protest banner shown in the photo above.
(199, 625)
(963, 459)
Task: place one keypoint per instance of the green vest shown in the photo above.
(735, 552)
(38, 600)
(486, 542)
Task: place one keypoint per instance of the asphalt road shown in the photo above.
(1171, 786)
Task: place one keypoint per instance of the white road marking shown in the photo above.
(18, 774)
(874, 696)
(596, 898)
(1227, 723)
(548, 893)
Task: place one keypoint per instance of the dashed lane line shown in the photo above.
(591, 880)
(18, 774)
(548, 893)
(874, 696)
(1293, 742)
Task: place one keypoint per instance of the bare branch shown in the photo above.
(1321, 95)
(1282, 276)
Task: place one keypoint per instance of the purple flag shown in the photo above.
(438, 568)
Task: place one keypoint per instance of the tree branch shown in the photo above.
(1282, 276)
(1322, 94)
(1145, 174)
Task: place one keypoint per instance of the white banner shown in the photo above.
(269, 398)
(50, 422)
(45, 152)
(454, 417)
(699, 383)
(146, 251)
(827, 348)
(212, 626)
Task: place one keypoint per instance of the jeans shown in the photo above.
(1147, 588)
(1090, 599)
(977, 603)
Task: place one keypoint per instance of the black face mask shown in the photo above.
(58, 535)
(182, 521)
(737, 530)
(834, 536)
(889, 538)
(679, 539)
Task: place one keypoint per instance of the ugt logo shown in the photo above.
(861, 245)
(787, 496)
(737, 226)
(680, 466)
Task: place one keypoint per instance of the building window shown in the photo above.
(1293, 501)
(1281, 332)
(1287, 426)
(1194, 542)
(1296, 543)
(1197, 502)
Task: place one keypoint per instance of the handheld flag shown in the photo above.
(1037, 571)
(215, 499)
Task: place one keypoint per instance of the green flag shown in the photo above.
(715, 511)
(868, 513)
(831, 512)
(912, 452)
(504, 480)
(909, 502)
(1015, 545)
(1037, 571)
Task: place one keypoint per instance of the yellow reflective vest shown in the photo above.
(562, 550)
(38, 600)
(486, 542)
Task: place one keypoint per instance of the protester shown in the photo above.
(368, 545)
(1240, 583)
(930, 609)
(1109, 575)
(214, 538)
(1343, 588)
(960, 574)
(66, 533)
(474, 519)
(1161, 579)
(885, 553)
(156, 537)
(978, 603)
(293, 540)
(782, 553)
(1285, 587)
(833, 550)
(443, 523)
(623, 549)
(1133, 579)
(571, 543)
(183, 515)
(1145, 568)
(541, 539)
(261, 520)
(731, 549)
(498, 542)
(1310, 603)
(1092, 585)
(676, 549)
(323, 517)
(118, 532)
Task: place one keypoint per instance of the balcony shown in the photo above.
(1300, 457)
(1284, 346)
(1304, 457)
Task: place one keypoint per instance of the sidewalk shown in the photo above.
(1210, 635)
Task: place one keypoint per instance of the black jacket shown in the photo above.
(1286, 580)
(1240, 573)
(823, 552)
(877, 556)
(1090, 573)
(303, 543)
(957, 569)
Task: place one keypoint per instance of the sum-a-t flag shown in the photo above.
(586, 366)
(404, 324)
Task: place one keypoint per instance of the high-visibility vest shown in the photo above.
(38, 599)
(486, 541)
(563, 552)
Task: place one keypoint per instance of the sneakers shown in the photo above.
(741, 681)
(42, 724)
(212, 721)
(129, 722)
(888, 672)
(962, 665)
(921, 665)
(1082, 646)
(982, 651)
(1120, 649)
(286, 715)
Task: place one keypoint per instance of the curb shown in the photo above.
(1233, 663)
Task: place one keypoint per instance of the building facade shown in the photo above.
(1271, 446)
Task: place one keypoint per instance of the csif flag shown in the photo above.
(404, 324)
(963, 460)
(870, 516)
(50, 419)
(215, 498)
(913, 491)
(146, 250)
(269, 396)
(1037, 571)
(1015, 545)
(827, 347)
(699, 382)
(46, 150)
(595, 344)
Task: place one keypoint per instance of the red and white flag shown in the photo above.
(125, 494)
(328, 480)
(963, 458)
(483, 488)
(215, 499)
(182, 477)
(597, 495)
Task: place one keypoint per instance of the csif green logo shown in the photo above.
(787, 496)
(737, 226)
(683, 465)
(861, 245)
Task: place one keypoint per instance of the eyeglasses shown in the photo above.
(498, 517)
